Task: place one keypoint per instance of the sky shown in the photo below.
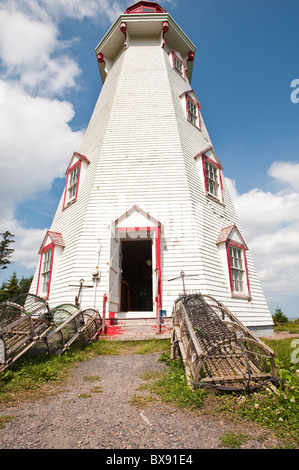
(246, 76)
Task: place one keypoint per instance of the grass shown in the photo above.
(234, 440)
(291, 326)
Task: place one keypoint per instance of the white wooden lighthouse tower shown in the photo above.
(145, 197)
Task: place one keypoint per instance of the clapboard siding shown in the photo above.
(141, 150)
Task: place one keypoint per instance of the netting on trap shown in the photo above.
(217, 349)
(81, 326)
(23, 320)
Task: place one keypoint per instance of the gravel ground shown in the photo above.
(84, 414)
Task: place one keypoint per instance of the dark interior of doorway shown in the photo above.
(136, 282)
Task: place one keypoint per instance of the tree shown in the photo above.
(14, 287)
(5, 251)
(279, 316)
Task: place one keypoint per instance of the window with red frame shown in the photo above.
(45, 271)
(238, 269)
(213, 181)
(72, 184)
(193, 114)
(178, 65)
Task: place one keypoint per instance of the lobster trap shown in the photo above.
(27, 323)
(23, 321)
(217, 350)
(73, 325)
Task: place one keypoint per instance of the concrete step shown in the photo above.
(137, 328)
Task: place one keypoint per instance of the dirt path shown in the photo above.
(98, 415)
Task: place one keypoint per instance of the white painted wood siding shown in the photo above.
(141, 150)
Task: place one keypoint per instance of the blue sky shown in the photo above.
(245, 63)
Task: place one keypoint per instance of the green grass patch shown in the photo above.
(5, 419)
(291, 326)
(234, 440)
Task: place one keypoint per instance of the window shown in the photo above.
(74, 175)
(237, 269)
(50, 253)
(72, 183)
(46, 270)
(232, 249)
(193, 111)
(212, 179)
(178, 65)
(211, 168)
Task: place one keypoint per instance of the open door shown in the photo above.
(114, 270)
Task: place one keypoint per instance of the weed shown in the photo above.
(84, 395)
(91, 378)
(140, 401)
(233, 440)
(96, 389)
(5, 419)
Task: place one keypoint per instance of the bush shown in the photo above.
(279, 316)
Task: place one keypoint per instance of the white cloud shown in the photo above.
(36, 145)
(36, 142)
(286, 173)
(271, 225)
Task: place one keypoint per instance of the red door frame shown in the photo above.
(157, 236)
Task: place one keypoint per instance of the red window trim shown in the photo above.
(188, 97)
(183, 65)
(49, 247)
(241, 247)
(66, 204)
(204, 158)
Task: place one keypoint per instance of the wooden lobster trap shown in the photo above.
(70, 324)
(217, 350)
(23, 321)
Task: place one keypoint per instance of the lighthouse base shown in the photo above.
(136, 329)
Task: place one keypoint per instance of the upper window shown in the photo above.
(212, 177)
(178, 64)
(77, 164)
(193, 113)
(73, 177)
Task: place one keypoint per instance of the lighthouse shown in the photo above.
(145, 198)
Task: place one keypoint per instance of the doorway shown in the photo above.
(136, 276)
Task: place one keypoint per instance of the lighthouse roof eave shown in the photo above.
(144, 25)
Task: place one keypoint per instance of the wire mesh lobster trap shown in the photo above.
(217, 350)
(23, 321)
(81, 326)
(27, 323)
